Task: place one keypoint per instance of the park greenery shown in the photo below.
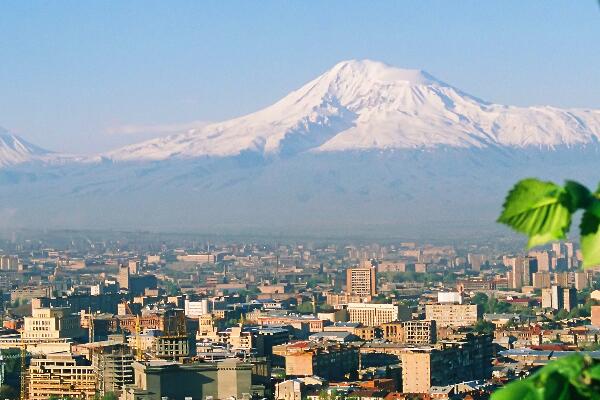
(543, 211)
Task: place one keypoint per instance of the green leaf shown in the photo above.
(590, 235)
(580, 196)
(542, 210)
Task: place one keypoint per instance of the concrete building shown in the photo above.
(114, 369)
(547, 297)
(581, 280)
(596, 316)
(332, 361)
(52, 323)
(123, 277)
(29, 293)
(361, 281)
(455, 315)
(195, 309)
(569, 298)
(410, 332)
(558, 297)
(61, 376)
(156, 379)
(9, 263)
(447, 363)
(541, 280)
(543, 260)
(371, 314)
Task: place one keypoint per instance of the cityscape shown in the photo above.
(299, 200)
(143, 317)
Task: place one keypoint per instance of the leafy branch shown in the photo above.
(571, 377)
(543, 211)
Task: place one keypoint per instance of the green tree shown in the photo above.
(305, 308)
(485, 327)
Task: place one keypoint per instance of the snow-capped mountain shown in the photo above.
(342, 154)
(15, 150)
(366, 105)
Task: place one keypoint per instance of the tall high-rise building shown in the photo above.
(541, 280)
(543, 260)
(570, 249)
(546, 297)
(569, 298)
(476, 261)
(581, 280)
(557, 297)
(522, 270)
(123, 278)
(361, 281)
(561, 279)
(557, 248)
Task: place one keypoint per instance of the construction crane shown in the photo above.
(138, 331)
(23, 356)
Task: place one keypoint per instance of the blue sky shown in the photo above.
(88, 76)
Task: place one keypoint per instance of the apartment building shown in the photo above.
(361, 281)
(448, 362)
(455, 315)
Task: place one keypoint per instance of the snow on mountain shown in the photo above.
(366, 105)
(15, 150)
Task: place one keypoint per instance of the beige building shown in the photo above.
(541, 280)
(410, 332)
(361, 281)
(371, 314)
(455, 315)
(52, 323)
(61, 376)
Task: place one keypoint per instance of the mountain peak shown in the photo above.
(361, 105)
(15, 150)
(376, 70)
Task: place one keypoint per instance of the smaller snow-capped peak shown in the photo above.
(368, 105)
(15, 150)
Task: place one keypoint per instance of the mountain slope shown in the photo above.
(367, 105)
(15, 150)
